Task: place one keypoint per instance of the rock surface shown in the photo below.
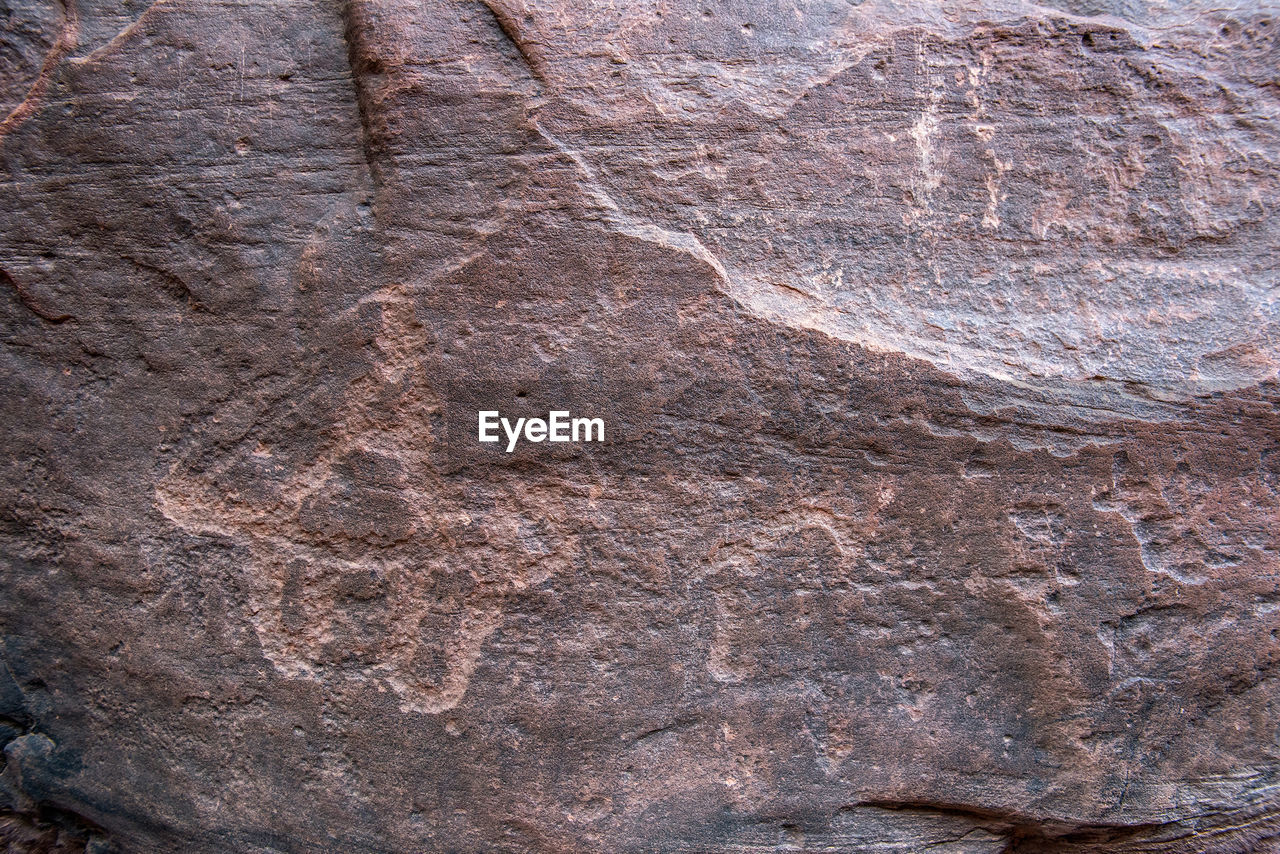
(937, 345)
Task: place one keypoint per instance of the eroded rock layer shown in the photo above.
(937, 347)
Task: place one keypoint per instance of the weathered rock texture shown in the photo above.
(937, 345)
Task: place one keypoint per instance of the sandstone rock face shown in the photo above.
(937, 345)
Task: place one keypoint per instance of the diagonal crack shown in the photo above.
(120, 37)
(507, 24)
(67, 39)
(641, 229)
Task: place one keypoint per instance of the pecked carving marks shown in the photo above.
(1167, 517)
(358, 570)
(801, 579)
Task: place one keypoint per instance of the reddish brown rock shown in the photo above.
(937, 351)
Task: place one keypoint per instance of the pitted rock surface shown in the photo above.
(939, 507)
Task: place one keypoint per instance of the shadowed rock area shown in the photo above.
(937, 344)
